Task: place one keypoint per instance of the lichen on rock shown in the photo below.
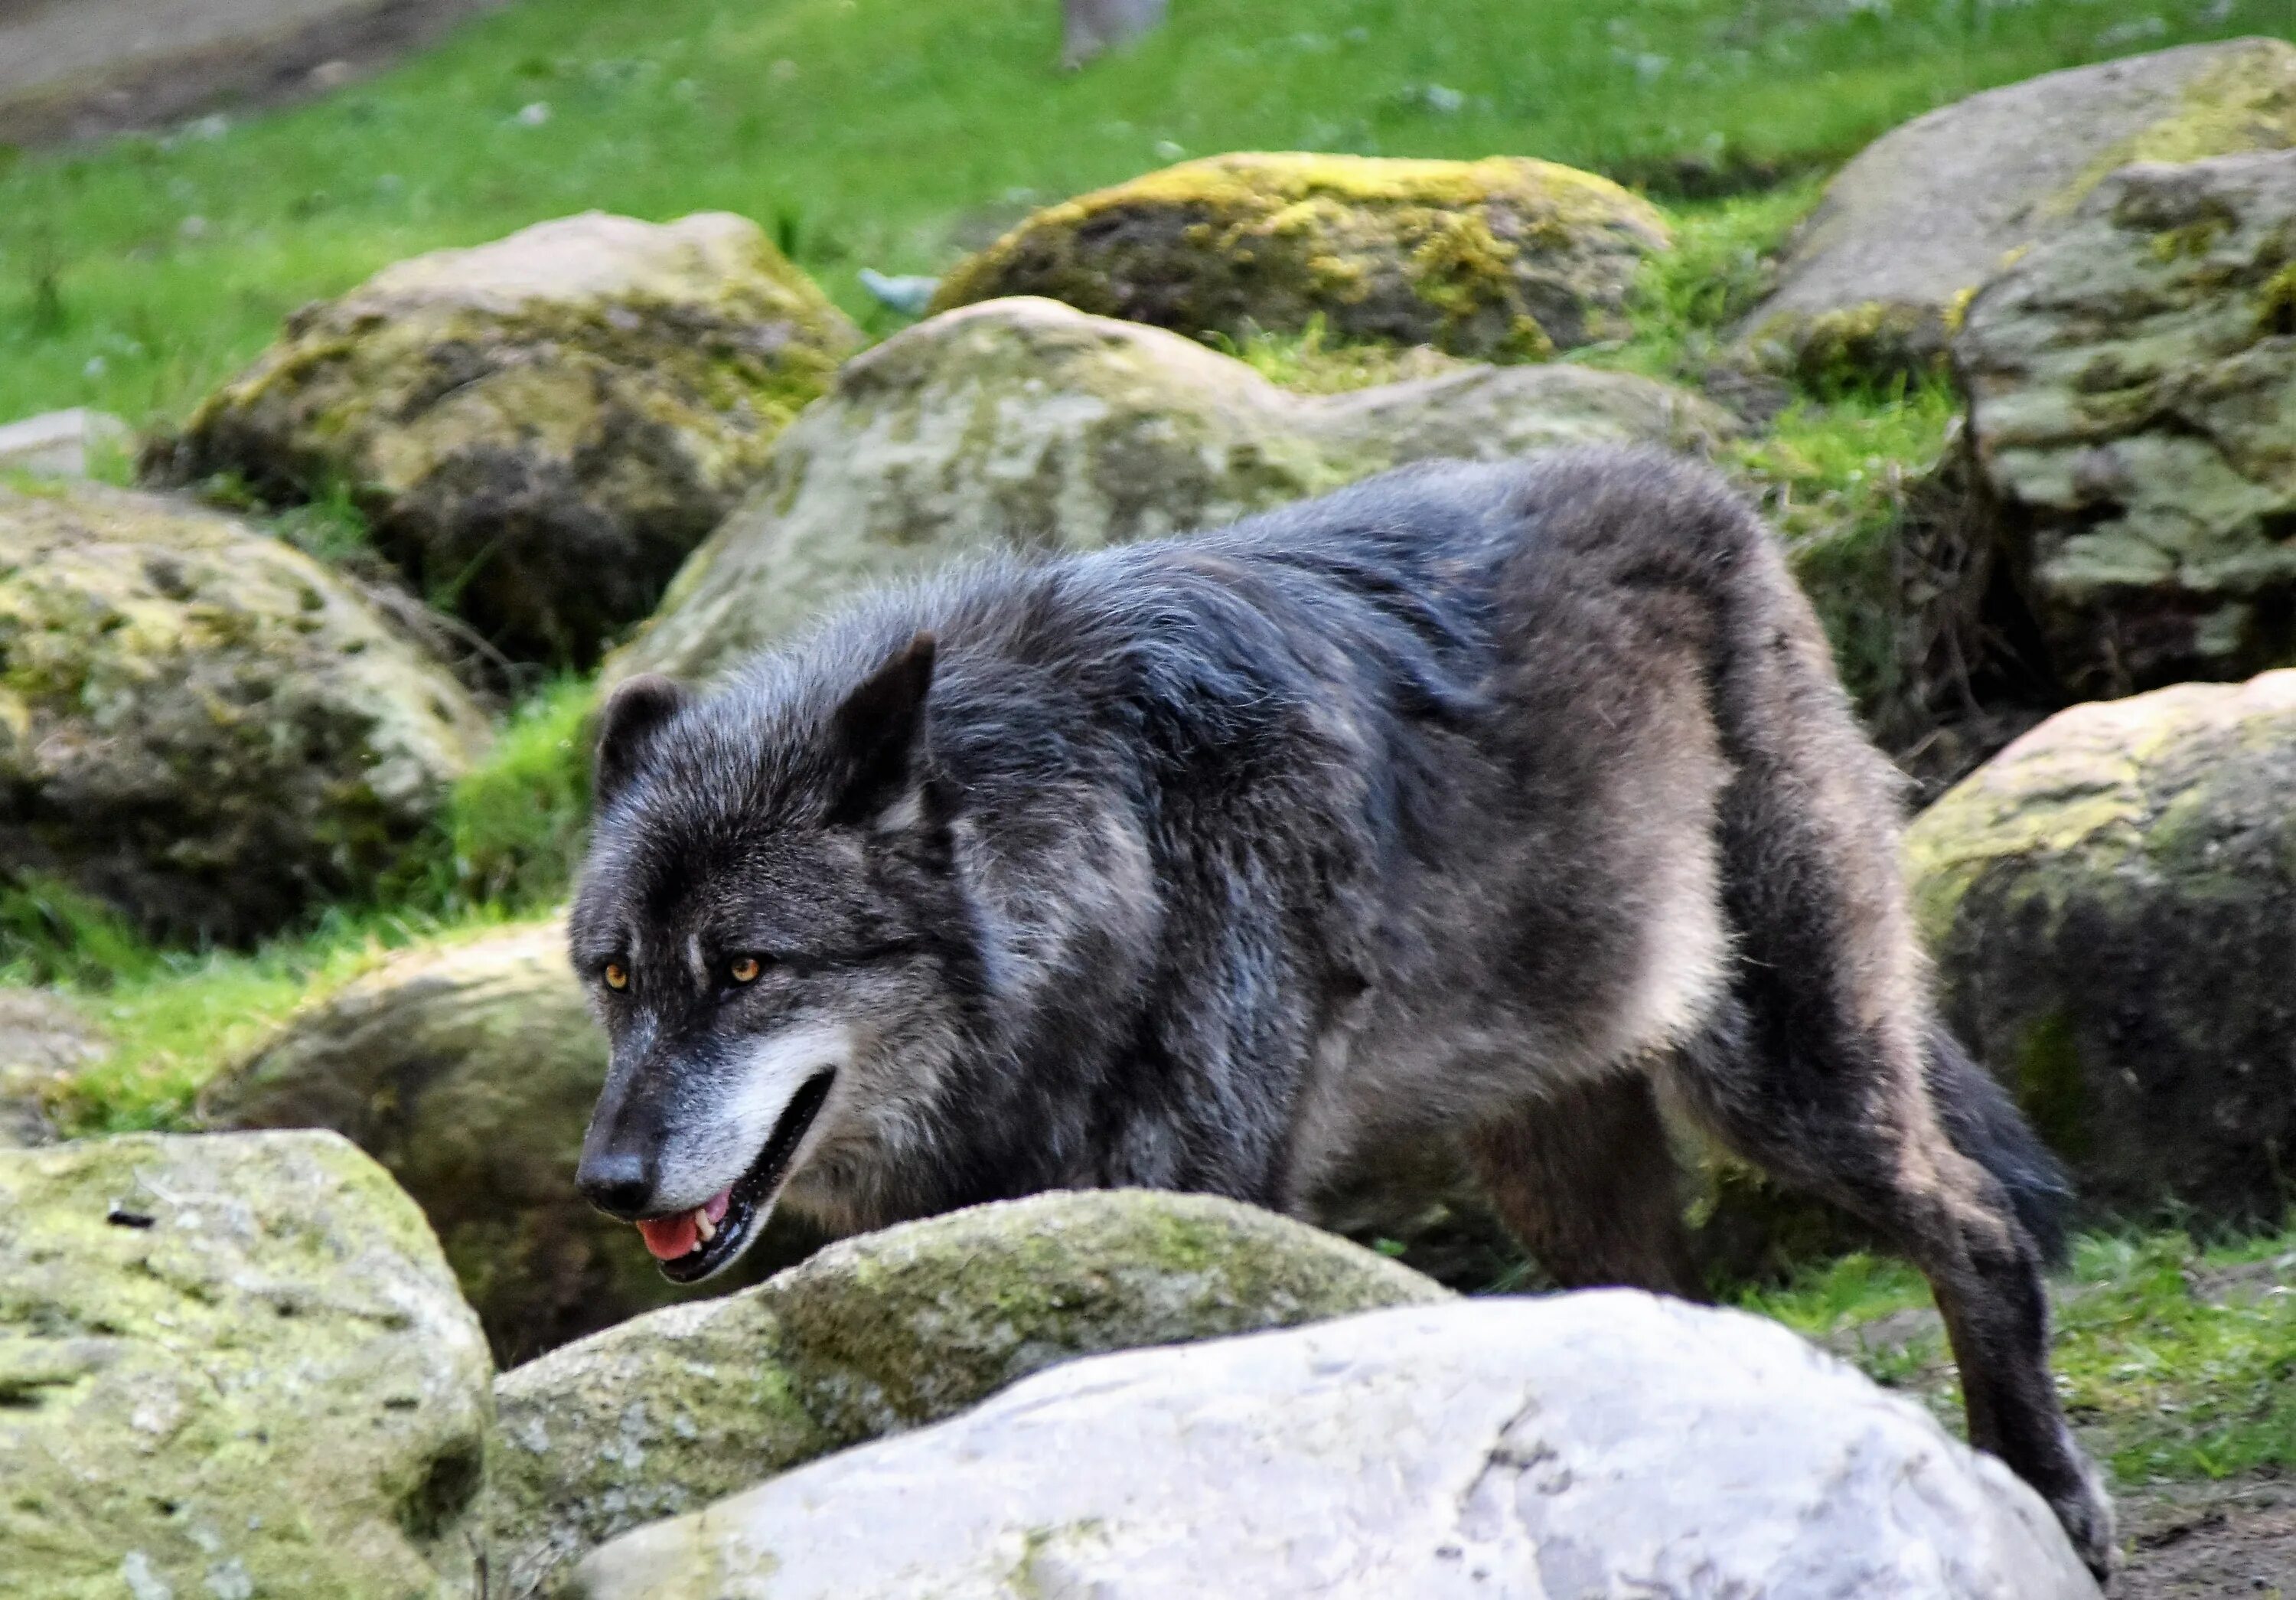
(2111, 901)
(1023, 424)
(232, 1365)
(2132, 395)
(1505, 258)
(538, 428)
(199, 724)
(1871, 283)
(880, 1333)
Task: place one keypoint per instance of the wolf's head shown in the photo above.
(774, 935)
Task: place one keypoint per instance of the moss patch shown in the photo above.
(1500, 259)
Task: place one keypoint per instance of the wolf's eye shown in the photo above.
(744, 969)
(616, 975)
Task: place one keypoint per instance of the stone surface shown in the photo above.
(1024, 424)
(60, 444)
(880, 1333)
(199, 724)
(2132, 390)
(1594, 1444)
(2111, 901)
(231, 1365)
(1929, 213)
(469, 1069)
(538, 430)
(43, 1037)
(1090, 29)
(1505, 258)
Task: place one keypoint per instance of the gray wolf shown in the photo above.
(1493, 800)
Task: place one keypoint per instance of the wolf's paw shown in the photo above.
(2085, 1510)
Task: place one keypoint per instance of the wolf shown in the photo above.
(1491, 801)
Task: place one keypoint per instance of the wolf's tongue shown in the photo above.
(666, 1238)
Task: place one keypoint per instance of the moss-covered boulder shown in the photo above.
(200, 724)
(232, 1366)
(1024, 424)
(1873, 282)
(2113, 905)
(882, 1334)
(43, 1037)
(468, 1068)
(539, 429)
(2132, 409)
(1505, 259)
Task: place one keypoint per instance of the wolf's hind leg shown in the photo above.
(1851, 1119)
(1583, 1177)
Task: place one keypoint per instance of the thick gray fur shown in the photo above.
(1495, 801)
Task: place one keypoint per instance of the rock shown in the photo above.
(43, 1037)
(884, 1332)
(540, 429)
(2113, 905)
(468, 1068)
(1873, 282)
(1022, 423)
(2132, 390)
(1591, 1444)
(199, 724)
(1506, 258)
(1090, 29)
(60, 444)
(231, 1365)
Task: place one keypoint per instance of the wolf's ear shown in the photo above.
(879, 732)
(637, 710)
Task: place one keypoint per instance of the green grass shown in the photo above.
(889, 133)
(2176, 1360)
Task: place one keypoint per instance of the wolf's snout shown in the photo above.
(619, 1183)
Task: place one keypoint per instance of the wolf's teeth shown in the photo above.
(704, 1226)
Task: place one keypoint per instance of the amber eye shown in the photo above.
(744, 969)
(616, 975)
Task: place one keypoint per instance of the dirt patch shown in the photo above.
(78, 70)
(2212, 1542)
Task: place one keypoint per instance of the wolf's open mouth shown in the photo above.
(692, 1244)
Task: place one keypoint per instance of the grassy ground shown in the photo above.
(2176, 1360)
(889, 133)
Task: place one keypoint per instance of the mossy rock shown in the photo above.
(1022, 424)
(2132, 408)
(539, 429)
(200, 724)
(469, 1068)
(45, 1036)
(1873, 283)
(882, 1334)
(232, 1366)
(1504, 259)
(2111, 901)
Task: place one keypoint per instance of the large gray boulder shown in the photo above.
(1597, 1444)
(881, 1333)
(231, 1365)
(2132, 410)
(1023, 424)
(468, 1068)
(1874, 280)
(2113, 905)
(202, 726)
(538, 428)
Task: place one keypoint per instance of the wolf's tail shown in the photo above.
(1987, 1128)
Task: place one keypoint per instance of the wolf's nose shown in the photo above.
(617, 1183)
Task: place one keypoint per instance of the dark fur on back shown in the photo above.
(1472, 799)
